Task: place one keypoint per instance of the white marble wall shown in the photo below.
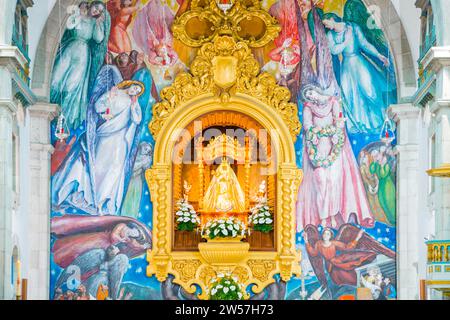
(408, 216)
(6, 196)
(39, 218)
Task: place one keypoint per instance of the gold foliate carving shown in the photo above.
(186, 268)
(261, 269)
(205, 21)
(240, 75)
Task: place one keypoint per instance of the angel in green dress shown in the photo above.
(80, 56)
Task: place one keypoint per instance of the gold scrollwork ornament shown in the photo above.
(209, 21)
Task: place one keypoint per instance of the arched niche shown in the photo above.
(192, 96)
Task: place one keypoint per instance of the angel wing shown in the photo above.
(84, 263)
(115, 275)
(107, 78)
(316, 262)
(355, 11)
(348, 233)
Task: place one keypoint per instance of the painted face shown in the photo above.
(96, 10)
(146, 149)
(134, 233)
(126, 3)
(162, 50)
(134, 90)
(312, 95)
(124, 60)
(140, 58)
(326, 235)
(84, 9)
(329, 23)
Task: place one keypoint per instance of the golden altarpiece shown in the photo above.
(220, 174)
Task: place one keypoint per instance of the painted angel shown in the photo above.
(97, 171)
(364, 67)
(95, 251)
(80, 57)
(339, 256)
(332, 189)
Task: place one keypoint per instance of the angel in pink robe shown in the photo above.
(332, 188)
(152, 33)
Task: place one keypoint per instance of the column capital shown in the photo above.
(44, 110)
(403, 111)
(440, 105)
(11, 57)
(437, 58)
(8, 105)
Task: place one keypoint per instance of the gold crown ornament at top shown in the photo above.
(244, 20)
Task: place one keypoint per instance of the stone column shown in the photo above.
(7, 110)
(406, 116)
(438, 59)
(441, 196)
(41, 115)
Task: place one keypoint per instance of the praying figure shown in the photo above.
(330, 169)
(224, 193)
(96, 174)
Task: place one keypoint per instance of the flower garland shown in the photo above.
(187, 218)
(313, 136)
(225, 287)
(261, 218)
(224, 228)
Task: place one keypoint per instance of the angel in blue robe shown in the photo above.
(79, 59)
(365, 85)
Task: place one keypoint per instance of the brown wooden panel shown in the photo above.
(260, 241)
(186, 241)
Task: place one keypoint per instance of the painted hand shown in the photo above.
(385, 61)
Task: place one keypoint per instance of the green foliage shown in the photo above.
(226, 288)
(186, 217)
(261, 218)
(224, 228)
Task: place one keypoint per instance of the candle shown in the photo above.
(108, 111)
(387, 134)
(62, 130)
(18, 288)
(340, 114)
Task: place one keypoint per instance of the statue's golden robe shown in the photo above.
(224, 193)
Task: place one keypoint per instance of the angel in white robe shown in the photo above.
(95, 174)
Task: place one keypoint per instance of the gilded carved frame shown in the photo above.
(267, 103)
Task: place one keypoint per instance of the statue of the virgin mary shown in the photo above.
(224, 193)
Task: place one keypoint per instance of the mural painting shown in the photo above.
(115, 58)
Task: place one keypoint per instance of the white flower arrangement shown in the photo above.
(225, 287)
(224, 228)
(186, 217)
(261, 218)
